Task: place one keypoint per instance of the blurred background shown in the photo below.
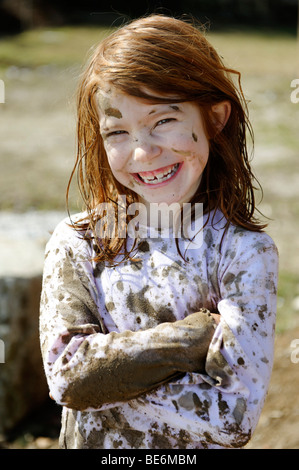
(43, 46)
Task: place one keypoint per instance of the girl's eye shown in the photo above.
(110, 134)
(165, 121)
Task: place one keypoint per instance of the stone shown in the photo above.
(23, 384)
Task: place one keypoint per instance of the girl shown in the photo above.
(152, 340)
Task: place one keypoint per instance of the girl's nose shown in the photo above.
(145, 150)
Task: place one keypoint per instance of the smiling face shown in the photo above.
(157, 150)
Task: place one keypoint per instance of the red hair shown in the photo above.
(160, 56)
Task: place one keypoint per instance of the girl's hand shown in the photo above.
(194, 333)
(216, 317)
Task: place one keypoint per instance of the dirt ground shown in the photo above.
(37, 126)
(278, 427)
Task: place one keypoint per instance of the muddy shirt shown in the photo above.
(132, 352)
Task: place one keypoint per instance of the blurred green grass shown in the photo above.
(41, 68)
(288, 301)
(63, 46)
(253, 51)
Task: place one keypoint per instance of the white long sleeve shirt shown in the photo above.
(105, 331)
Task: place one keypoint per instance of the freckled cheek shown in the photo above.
(115, 159)
(198, 160)
(201, 147)
(119, 170)
(119, 157)
(199, 152)
(204, 154)
(185, 141)
(180, 140)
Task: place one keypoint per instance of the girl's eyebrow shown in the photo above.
(172, 106)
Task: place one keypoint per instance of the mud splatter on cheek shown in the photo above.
(194, 137)
(184, 153)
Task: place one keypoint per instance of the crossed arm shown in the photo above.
(90, 370)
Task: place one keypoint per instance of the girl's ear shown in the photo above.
(220, 113)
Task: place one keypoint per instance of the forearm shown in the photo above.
(220, 406)
(90, 370)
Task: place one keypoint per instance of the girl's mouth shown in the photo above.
(158, 176)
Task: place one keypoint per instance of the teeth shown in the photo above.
(160, 177)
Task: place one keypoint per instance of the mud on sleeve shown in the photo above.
(222, 406)
(87, 368)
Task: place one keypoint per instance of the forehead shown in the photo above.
(114, 105)
(109, 94)
(113, 98)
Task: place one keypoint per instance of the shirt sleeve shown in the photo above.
(88, 368)
(222, 406)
